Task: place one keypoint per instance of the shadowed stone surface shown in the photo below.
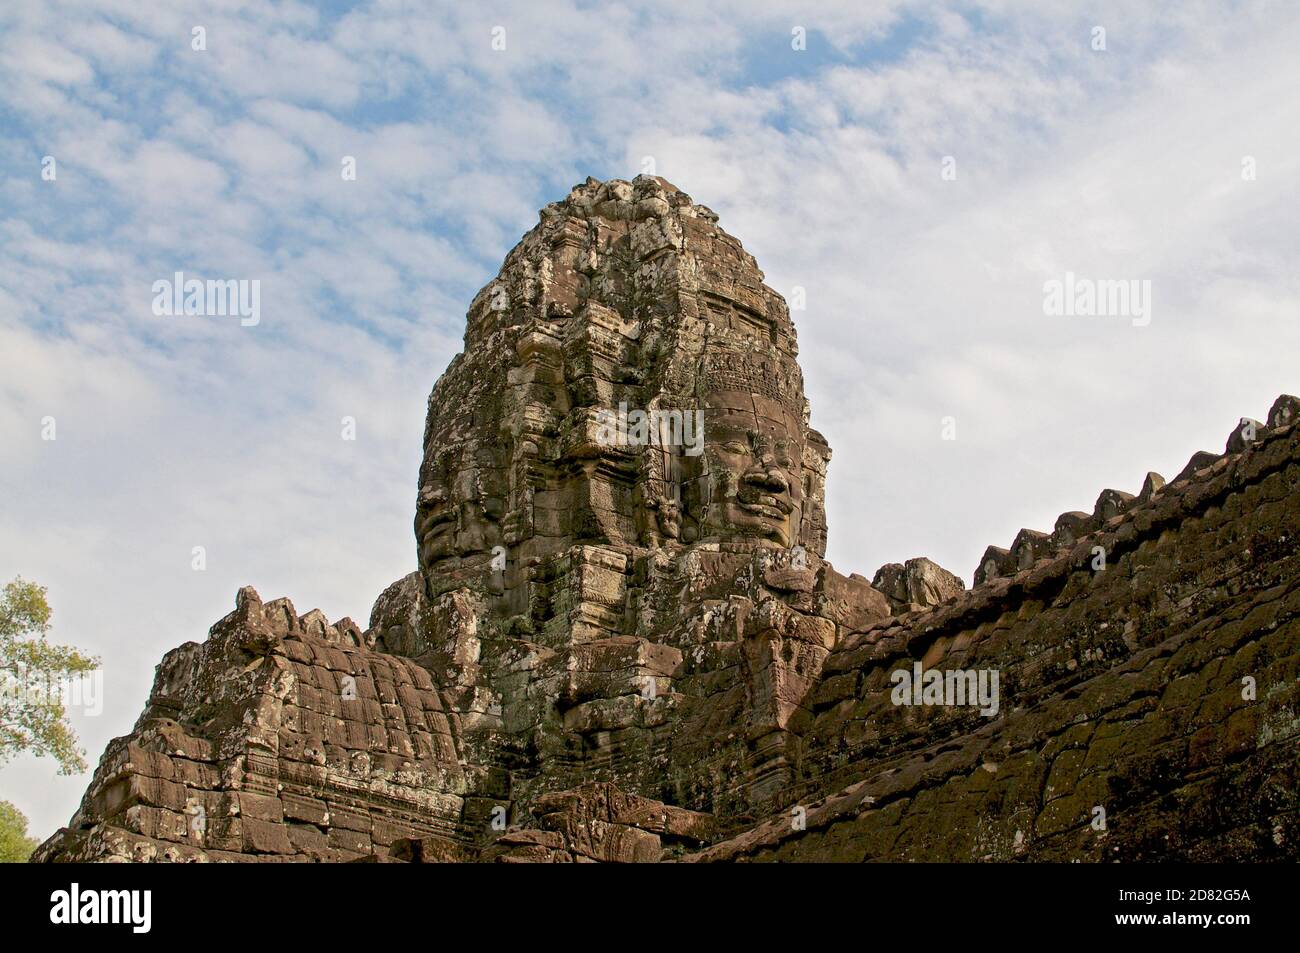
(622, 642)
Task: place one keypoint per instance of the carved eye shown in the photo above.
(735, 446)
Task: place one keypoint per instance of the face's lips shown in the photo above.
(435, 524)
(751, 499)
(763, 510)
(434, 531)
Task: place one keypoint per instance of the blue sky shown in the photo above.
(924, 294)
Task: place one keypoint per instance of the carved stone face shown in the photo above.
(457, 510)
(753, 483)
(435, 524)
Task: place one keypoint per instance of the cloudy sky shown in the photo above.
(1171, 155)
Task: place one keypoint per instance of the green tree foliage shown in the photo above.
(15, 845)
(32, 671)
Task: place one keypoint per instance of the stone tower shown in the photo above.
(627, 299)
(619, 469)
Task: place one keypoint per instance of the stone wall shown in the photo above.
(1160, 689)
